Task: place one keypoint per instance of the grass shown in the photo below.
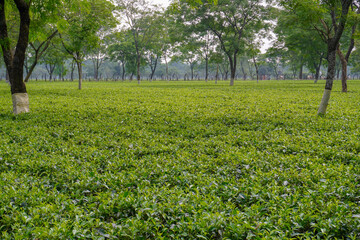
(183, 160)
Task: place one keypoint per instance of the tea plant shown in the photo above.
(165, 160)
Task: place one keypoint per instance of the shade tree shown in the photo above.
(142, 19)
(301, 41)
(122, 50)
(30, 18)
(329, 19)
(232, 22)
(83, 21)
(347, 42)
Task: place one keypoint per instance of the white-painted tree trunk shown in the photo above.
(20, 103)
(324, 102)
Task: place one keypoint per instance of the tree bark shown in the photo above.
(301, 70)
(15, 61)
(153, 67)
(80, 74)
(243, 71)
(333, 43)
(317, 74)
(206, 69)
(192, 71)
(256, 69)
(345, 59)
(343, 69)
(123, 71)
(138, 69)
(96, 69)
(217, 74)
(167, 69)
(50, 69)
(232, 62)
(97, 62)
(318, 68)
(7, 77)
(39, 53)
(72, 71)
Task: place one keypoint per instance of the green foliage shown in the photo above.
(299, 42)
(84, 20)
(145, 23)
(180, 161)
(122, 49)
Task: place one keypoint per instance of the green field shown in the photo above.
(180, 160)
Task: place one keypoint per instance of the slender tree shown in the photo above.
(140, 18)
(347, 43)
(84, 19)
(230, 21)
(333, 36)
(122, 50)
(329, 19)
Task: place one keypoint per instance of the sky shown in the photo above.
(164, 3)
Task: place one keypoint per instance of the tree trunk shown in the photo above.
(301, 70)
(153, 68)
(232, 69)
(217, 74)
(192, 71)
(243, 71)
(50, 69)
(256, 69)
(39, 53)
(317, 74)
(206, 69)
(167, 69)
(343, 69)
(61, 77)
(318, 68)
(72, 71)
(138, 69)
(123, 71)
(7, 77)
(31, 69)
(329, 80)
(80, 74)
(15, 61)
(96, 69)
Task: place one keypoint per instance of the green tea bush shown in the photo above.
(164, 160)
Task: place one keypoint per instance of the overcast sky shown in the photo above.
(164, 3)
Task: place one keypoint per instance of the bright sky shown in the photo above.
(164, 3)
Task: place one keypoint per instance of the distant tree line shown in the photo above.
(190, 40)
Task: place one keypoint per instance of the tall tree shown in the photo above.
(140, 18)
(52, 59)
(230, 21)
(84, 19)
(304, 46)
(39, 46)
(156, 47)
(329, 19)
(347, 43)
(332, 36)
(30, 20)
(187, 52)
(14, 57)
(122, 50)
